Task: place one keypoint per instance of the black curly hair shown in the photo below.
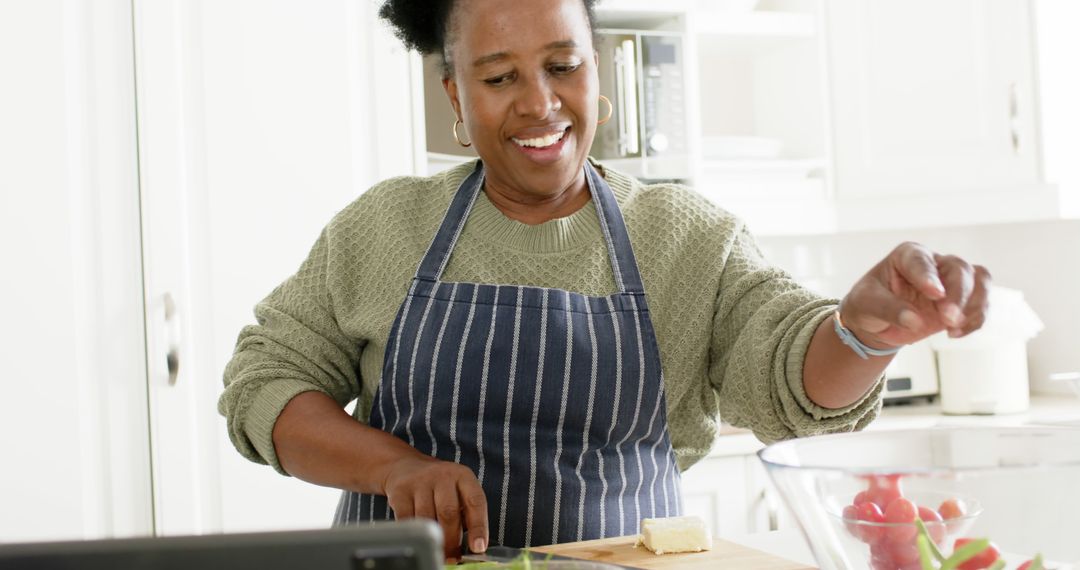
(422, 24)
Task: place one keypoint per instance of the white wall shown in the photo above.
(1059, 90)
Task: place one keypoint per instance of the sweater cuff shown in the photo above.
(263, 414)
(796, 358)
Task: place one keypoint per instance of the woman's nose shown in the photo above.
(537, 99)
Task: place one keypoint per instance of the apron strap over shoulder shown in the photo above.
(620, 252)
(438, 253)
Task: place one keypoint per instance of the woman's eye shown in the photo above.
(500, 80)
(564, 68)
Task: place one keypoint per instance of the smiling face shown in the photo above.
(524, 83)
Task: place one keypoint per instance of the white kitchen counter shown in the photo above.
(1052, 410)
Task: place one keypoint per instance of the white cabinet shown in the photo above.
(73, 420)
(934, 113)
(258, 122)
(851, 115)
(730, 490)
(761, 98)
(715, 490)
(163, 166)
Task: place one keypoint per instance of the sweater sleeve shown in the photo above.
(762, 327)
(296, 346)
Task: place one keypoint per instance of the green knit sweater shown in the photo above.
(732, 330)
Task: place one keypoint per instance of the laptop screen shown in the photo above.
(409, 545)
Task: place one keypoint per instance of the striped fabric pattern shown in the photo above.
(555, 399)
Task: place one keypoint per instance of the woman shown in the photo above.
(539, 345)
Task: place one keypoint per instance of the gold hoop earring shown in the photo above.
(456, 137)
(610, 110)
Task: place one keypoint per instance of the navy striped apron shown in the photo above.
(554, 399)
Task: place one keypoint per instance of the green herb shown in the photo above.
(931, 558)
(965, 553)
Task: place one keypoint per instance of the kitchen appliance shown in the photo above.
(643, 73)
(409, 545)
(984, 379)
(1015, 486)
(986, 372)
(912, 375)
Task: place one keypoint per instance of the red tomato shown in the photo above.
(933, 524)
(884, 489)
(862, 497)
(981, 560)
(904, 553)
(952, 509)
(882, 563)
(901, 513)
(870, 513)
(1025, 565)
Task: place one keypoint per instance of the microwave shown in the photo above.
(644, 75)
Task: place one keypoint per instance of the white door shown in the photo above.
(259, 120)
(73, 418)
(932, 98)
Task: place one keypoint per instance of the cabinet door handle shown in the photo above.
(1015, 123)
(772, 513)
(172, 327)
(771, 510)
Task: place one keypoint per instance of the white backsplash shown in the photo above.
(1041, 259)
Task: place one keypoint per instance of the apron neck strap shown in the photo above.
(620, 252)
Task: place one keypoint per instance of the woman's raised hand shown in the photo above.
(914, 293)
(425, 487)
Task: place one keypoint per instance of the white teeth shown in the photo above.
(541, 142)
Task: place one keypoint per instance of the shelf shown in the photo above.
(705, 21)
(642, 14)
(774, 207)
(754, 24)
(949, 208)
(761, 169)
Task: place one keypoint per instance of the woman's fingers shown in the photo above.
(424, 503)
(423, 487)
(977, 304)
(958, 277)
(402, 507)
(916, 265)
(474, 503)
(448, 513)
(914, 293)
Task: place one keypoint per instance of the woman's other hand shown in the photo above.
(914, 293)
(424, 487)
(317, 441)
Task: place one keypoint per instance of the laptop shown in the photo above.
(408, 545)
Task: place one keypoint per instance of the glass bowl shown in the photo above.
(1018, 487)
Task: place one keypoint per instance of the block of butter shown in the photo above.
(675, 534)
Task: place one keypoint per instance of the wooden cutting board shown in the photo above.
(621, 551)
